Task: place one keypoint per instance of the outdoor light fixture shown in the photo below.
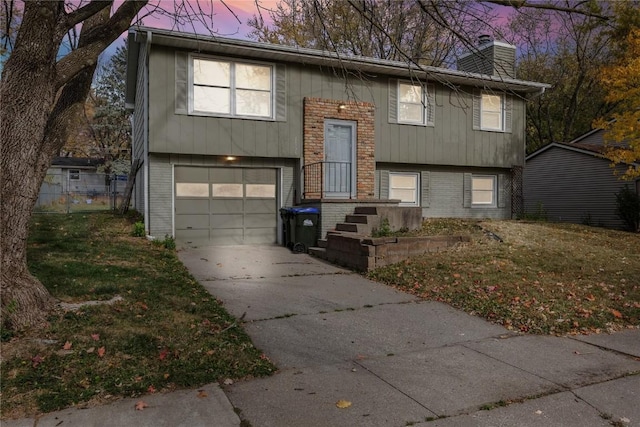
(230, 158)
(342, 106)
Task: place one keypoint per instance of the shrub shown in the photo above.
(384, 230)
(138, 229)
(628, 208)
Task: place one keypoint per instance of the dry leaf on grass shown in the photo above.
(67, 345)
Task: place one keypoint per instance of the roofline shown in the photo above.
(326, 58)
(570, 147)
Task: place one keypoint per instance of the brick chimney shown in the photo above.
(490, 57)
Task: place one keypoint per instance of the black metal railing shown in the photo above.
(323, 180)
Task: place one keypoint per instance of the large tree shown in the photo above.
(42, 95)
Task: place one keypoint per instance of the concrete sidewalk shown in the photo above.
(397, 361)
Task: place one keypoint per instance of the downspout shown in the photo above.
(146, 133)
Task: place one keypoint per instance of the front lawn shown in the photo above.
(166, 332)
(543, 278)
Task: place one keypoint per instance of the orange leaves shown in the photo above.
(67, 345)
(101, 352)
(616, 313)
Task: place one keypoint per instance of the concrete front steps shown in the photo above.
(360, 223)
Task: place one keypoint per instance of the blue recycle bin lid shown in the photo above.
(302, 210)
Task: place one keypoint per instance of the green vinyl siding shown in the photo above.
(451, 141)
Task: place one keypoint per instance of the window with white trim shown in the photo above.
(231, 88)
(74, 174)
(492, 112)
(415, 105)
(484, 190)
(404, 186)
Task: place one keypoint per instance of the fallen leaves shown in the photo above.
(101, 351)
(202, 394)
(343, 404)
(141, 405)
(36, 360)
(616, 313)
(67, 345)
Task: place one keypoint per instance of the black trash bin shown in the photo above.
(300, 227)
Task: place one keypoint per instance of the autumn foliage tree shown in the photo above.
(622, 134)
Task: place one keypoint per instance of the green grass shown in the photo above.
(168, 332)
(544, 279)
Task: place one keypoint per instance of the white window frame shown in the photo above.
(483, 125)
(416, 175)
(74, 174)
(494, 192)
(232, 88)
(424, 103)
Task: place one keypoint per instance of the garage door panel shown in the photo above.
(228, 236)
(260, 235)
(194, 236)
(192, 206)
(225, 175)
(226, 206)
(191, 174)
(226, 221)
(260, 220)
(196, 222)
(260, 176)
(260, 205)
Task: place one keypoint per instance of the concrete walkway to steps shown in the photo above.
(398, 361)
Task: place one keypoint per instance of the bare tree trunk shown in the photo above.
(40, 102)
(24, 162)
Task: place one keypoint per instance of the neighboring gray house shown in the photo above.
(229, 131)
(70, 175)
(574, 182)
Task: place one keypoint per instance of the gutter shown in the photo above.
(145, 163)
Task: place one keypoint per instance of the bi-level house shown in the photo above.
(229, 131)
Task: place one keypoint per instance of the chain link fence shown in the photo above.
(71, 190)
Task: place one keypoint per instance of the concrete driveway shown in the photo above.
(337, 336)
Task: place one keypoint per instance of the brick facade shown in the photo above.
(316, 111)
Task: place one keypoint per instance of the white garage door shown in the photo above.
(225, 206)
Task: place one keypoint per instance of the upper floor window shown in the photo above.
(74, 174)
(492, 111)
(232, 88)
(492, 114)
(411, 103)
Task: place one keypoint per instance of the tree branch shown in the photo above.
(83, 13)
(98, 38)
(520, 4)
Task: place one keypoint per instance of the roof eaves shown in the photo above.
(318, 57)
